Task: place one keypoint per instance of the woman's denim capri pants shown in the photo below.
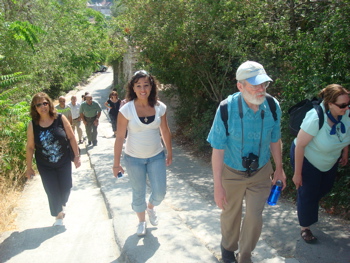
(138, 170)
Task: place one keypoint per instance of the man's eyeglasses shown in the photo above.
(343, 106)
(263, 85)
(40, 104)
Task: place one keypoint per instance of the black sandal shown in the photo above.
(307, 235)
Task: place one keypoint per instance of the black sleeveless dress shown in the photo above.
(51, 144)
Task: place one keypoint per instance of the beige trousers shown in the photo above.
(255, 190)
(76, 124)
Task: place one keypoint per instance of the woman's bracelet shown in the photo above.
(77, 156)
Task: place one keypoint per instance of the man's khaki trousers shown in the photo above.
(255, 190)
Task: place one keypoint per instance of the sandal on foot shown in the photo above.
(307, 235)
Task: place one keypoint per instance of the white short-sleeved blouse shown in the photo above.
(143, 140)
(324, 149)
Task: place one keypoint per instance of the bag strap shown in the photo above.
(320, 114)
(272, 105)
(224, 110)
(224, 114)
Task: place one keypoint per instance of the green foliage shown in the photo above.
(198, 45)
(13, 119)
(68, 40)
(44, 46)
(11, 79)
(23, 30)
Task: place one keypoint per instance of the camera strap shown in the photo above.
(240, 108)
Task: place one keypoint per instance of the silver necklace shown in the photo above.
(145, 119)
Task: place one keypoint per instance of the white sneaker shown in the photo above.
(58, 222)
(141, 229)
(153, 218)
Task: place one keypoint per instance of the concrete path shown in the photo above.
(86, 237)
(189, 226)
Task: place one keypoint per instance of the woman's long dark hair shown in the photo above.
(37, 98)
(131, 95)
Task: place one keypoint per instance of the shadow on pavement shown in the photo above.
(28, 239)
(140, 249)
(327, 248)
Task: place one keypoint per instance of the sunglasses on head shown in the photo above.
(343, 106)
(40, 104)
(144, 72)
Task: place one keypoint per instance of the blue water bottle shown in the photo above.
(275, 193)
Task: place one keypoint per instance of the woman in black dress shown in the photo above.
(49, 137)
(113, 104)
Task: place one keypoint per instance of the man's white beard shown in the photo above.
(253, 99)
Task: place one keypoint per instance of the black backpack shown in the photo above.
(298, 111)
(224, 111)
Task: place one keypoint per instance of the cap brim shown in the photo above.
(258, 79)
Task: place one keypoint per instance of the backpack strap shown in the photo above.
(224, 110)
(272, 105)
(320, 114)
(224, 114)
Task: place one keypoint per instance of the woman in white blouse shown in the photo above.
(145, 119)
(316, 154)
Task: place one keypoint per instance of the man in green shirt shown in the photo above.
(64, 109)
(90, 112)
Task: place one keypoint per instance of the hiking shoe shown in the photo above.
(227, 256)
(141, 229)
(153, 218)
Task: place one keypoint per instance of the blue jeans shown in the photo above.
(138, 169)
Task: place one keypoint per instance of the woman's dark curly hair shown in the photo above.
(131, 95)
(38, 98)
(331, 93)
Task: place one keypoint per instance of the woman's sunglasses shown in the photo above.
(343, 106)
(40, 104)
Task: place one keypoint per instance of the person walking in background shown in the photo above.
(145, 118)
(83, 96)
(113, 104)
(64, 109)
(90, 112)
(124, 101)
(76, 120)
(241, 161)
(50, 137)
(316, 153)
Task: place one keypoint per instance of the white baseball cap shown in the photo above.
(253, 72)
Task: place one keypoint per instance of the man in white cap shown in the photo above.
(241, 160)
